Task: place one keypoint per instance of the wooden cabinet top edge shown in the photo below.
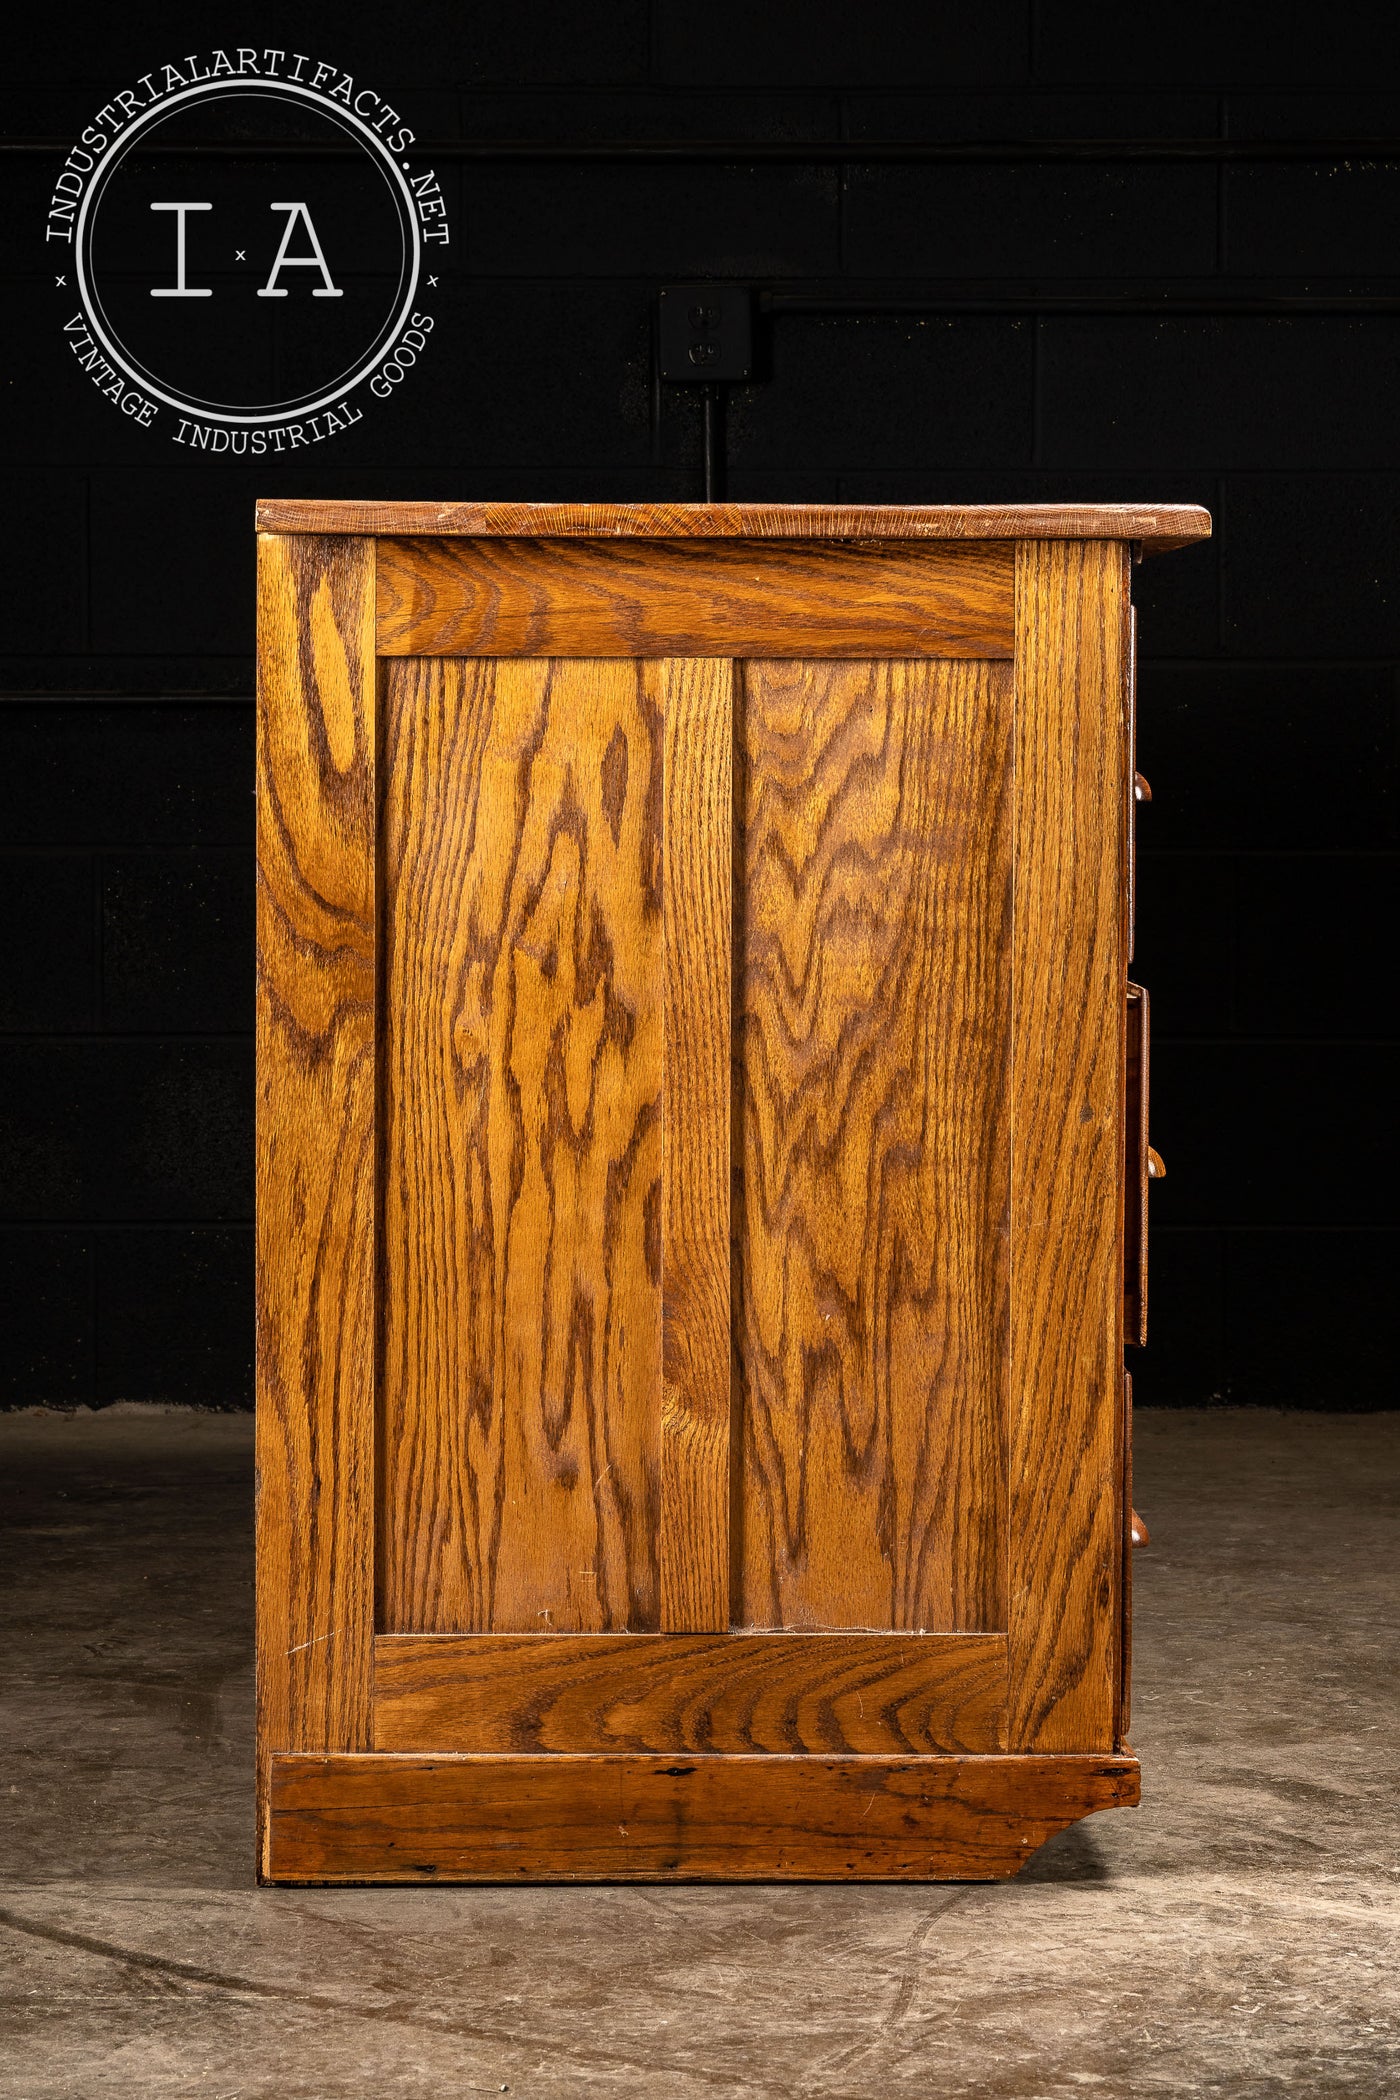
(1156, 526)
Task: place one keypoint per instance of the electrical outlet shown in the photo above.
(705, 333)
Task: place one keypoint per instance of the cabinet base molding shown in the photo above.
(352, 1817)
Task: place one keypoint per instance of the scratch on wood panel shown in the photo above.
(314, 1643)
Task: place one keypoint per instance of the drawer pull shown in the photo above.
(1140, 1537)
(1142, 788)
(1156, 1166)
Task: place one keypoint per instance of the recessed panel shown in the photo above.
(521, 1161)
(872, 1147)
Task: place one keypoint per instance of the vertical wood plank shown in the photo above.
(522, 1137)
(697, 704)
(1067, 1144)
(315, 1143)
(872, 1167)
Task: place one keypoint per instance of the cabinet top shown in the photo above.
(1156, 525)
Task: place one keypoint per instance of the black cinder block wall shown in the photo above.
(1198, 325)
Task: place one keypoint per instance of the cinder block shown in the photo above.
(112, 1131)
(1308, 565)
(802, 43)
(46, 1318)
(1199, 43)
(869, 393)
(1316, 944)
(1274, 1133)
(1330, 216)
(173, 559)
(1187, 937)
(43, 557)
(1219, 393)
(1304, 1319)
(175, 1316)
(91, 773)
(1281, 757)
(654, 221)
(178, 941)
(1132, 219)
(47, 943)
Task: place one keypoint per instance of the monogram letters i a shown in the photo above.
(297, 214)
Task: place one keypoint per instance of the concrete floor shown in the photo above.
(1234, 1937)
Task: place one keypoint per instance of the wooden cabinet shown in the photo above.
(694, 1156)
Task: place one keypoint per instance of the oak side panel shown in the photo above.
(522, 1097)
(693, 597)
(1067, 1145)
(423, 1819)
(315, 1143)
(1153, 525)
(697, 706)
(730, 1693)
(872, 1175)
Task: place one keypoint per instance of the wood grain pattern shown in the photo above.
(692, 598)
(697, 706)
(522, 939)
(315, 1144)
(872, 1177)
(1135, 1166)
(733, 1692)
(696, 1819)
(1067, 1145)
(1154, 525)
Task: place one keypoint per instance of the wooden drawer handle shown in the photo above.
(1156, 1166)
(1142, 788)
(1140, 1537)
